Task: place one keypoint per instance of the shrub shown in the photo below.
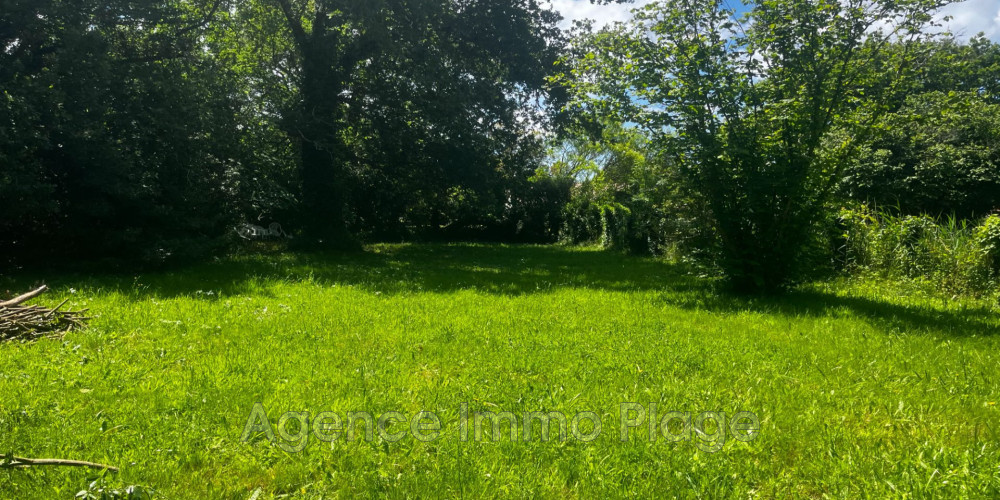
(987, 239)
(938, 155)
(951, 254)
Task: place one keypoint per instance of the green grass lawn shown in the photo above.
(862, 390)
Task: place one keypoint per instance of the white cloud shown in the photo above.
(974, 16)
(602, 15)
(968, 18)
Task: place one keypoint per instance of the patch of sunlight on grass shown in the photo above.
(861, 390)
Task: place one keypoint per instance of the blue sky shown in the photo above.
(970, 17)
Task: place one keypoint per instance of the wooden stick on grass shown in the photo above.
(19, 321)
(10, 462)
(30, 295)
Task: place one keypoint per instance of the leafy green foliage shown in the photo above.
(146, 130)
(96, 490)
(938, 154)
(947, 65)
(988, 242)
(626, 195)
(400, 103)
(953, 255)
(745, 106)
(117, 135)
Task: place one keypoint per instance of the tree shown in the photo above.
(937, 155)
(948, 65)
(149, 128)
(936, 152)
(330, 42)
(117, 131)
(746, 105)
(403, 96)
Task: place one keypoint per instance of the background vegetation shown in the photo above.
(844, 153)
(144, 132)
(147, 130)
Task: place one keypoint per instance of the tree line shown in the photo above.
(146, 130)
(734, 137)
(150, 128)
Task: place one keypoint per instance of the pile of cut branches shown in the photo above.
(19, 321)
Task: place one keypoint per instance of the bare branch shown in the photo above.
(11, 462)
(28, 296)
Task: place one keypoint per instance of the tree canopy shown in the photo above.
(727, 134)
(163, 123)
(746, 104)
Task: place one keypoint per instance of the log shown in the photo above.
(30, 295)
(56, 308)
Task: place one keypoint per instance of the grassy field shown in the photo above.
(862, 390)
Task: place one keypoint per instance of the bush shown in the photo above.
(937, 155)
(582, 218)
(951, 254)
(987, 239)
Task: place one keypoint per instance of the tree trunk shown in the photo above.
(323, 163)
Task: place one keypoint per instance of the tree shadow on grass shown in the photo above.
(392, 269)
(899, 315)
(513, 270)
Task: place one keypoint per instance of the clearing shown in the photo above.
(861, 389)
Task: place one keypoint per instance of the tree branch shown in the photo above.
(11, 462)
(30, 295)
(204, 22)
(294, 22)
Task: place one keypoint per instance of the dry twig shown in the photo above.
(12, 462)
(19, 321)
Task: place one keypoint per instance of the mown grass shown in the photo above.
(863, 390)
